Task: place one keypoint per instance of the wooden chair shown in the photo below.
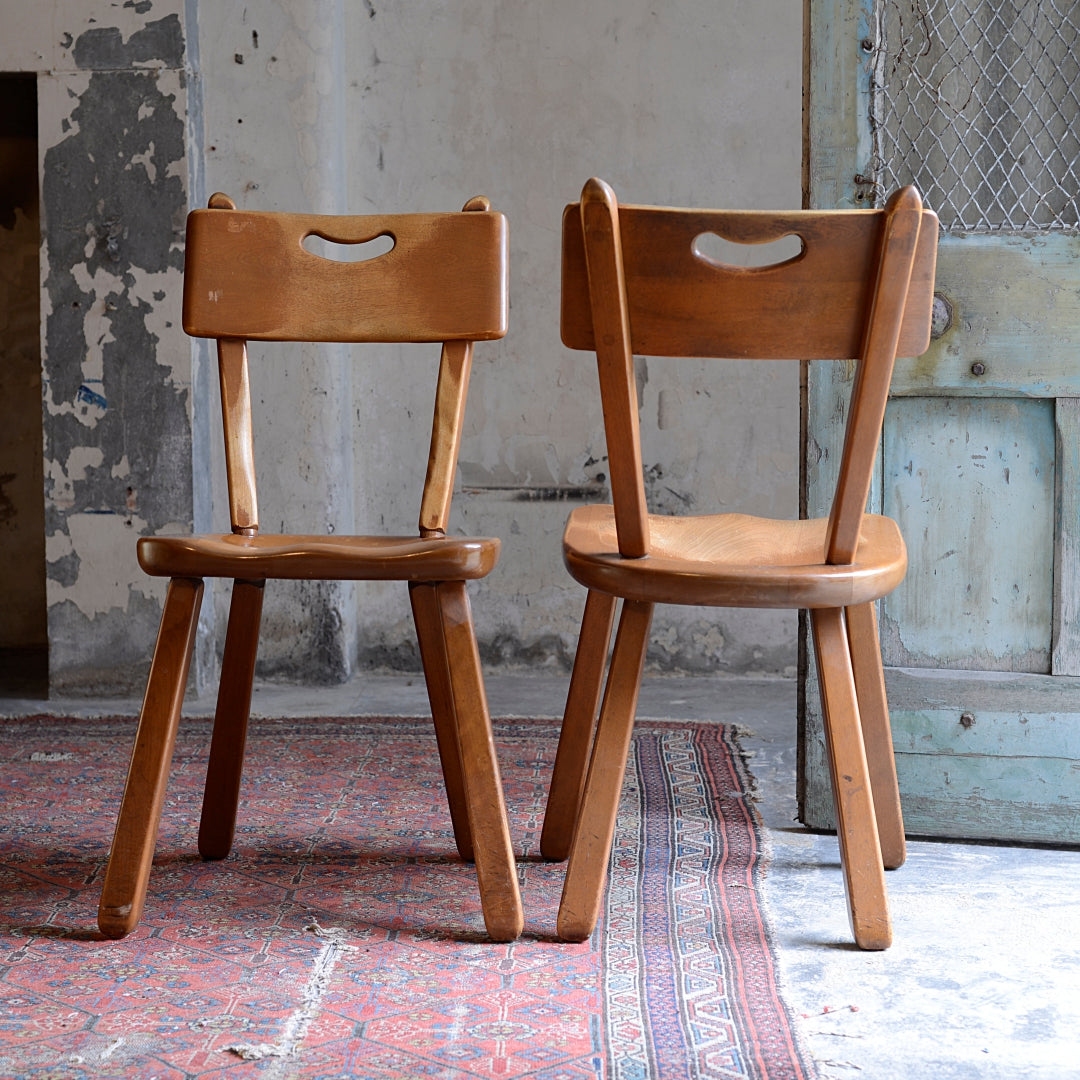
(633, 282)
(248, 277)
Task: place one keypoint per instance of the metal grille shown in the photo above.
(978, 103)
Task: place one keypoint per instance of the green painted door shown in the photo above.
(978, 103)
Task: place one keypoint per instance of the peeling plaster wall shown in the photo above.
(146, 106)
(689, 104)
(112, 117)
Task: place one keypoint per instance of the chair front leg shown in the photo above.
(128, 870)
(222, 796)
(429, 635)
(862, 632)
(495, 868)
(575, 738)
(590, 849)
(856, 823)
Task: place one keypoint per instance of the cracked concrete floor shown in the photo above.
(983, 980)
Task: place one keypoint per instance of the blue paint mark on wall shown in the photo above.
(90, 397)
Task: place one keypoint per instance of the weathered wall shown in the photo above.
(116, 366)
(274, 140)
(325, 105)
(690, 104)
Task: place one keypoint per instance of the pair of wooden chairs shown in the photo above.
(634, 281)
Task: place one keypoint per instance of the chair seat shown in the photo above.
(347, 558)
(733, 560)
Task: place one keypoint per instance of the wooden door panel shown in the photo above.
(971, 484)
(982, 641)
(1007, 320)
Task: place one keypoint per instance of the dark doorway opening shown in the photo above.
(23, 619)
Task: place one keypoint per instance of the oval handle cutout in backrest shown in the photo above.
(715, 249)
(336, 251)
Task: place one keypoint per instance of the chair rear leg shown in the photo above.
(590, 849)
(856, 824)
(222, 796)
(128, 870)
(495, 868)
(575, 739)
(429, 634)
(862, 632)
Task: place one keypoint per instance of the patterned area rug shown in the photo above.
(343, 936)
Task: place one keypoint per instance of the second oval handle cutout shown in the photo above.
(714, 249)
(349, 253)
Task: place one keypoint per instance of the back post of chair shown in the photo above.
(455, 366)
(615, 364)
(236, 420)
(870, 392)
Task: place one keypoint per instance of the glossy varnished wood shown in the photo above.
(339, 558)
(734, 560)
(856, 830)
(235, 383)
(226, 765)
(862, 636)
(253, 278)
(248, 275)
(486, 810)
(683, 304)
(635, 281)
(128, 870)
(430, 636)
(594, 829)
(599, 219)
(579, 718)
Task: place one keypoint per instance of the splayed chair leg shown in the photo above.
(496, 870)
(575, 738)
(429, 635)
(862, 632)
(225, 768)
(128, 870)
(856, 822)
(590, 849)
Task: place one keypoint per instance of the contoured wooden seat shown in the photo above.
(634, 282)
(248, 277)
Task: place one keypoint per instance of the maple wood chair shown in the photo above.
(634, 282)
(248, 277)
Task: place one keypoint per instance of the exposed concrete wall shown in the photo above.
(274, 140)
(325, 105)
(696, 103)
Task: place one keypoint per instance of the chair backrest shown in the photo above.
(634, 281)
(248, 276)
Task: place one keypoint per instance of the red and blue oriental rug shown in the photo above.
(343, 936)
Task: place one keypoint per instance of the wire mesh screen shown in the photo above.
(978, 103)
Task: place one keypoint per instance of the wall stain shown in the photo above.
(102, 48)
(115, 378)
(102, 216)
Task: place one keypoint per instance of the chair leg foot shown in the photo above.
(582, 701)
(590, 850)
(224, 770)
(128, 869)
(862, 632)
(856, 823)
(493, 853)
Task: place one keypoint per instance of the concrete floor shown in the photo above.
(984, 977)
